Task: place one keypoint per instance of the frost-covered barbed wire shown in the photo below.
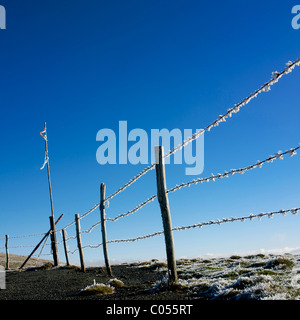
(137, 238)
(92, 246)
(88, 212)
(80, 217)
(70, 238)
(67, 226)
(233, 219)
(21, 246)
(294, 211)
(45, 254)
(251, 216)
(86, 246)
(72, 252)
(258, 164)
(138, 207)
(222, 118)
(120, 240)
(91, 228)
(129, 183)
(26, 236)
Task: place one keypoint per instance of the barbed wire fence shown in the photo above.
(66, 235)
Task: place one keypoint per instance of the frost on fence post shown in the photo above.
(103, 228)
(165, 212)
(2, 278)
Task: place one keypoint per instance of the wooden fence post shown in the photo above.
(53, 240)
(79, 242)
(165, 212)
(37, 246)
(103, 229)
(65, 246)
(6, 249)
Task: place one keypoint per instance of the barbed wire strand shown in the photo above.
(258, 164)
(251, 216)
(211, 222)
(21, 246)
(138, 207)
(233, 219)
(26, 235)
(91, 228)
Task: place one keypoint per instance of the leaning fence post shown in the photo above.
(165, 211)
(79, 242)
(103, 228)
(53, 240)
(6, 249)
(65, 246)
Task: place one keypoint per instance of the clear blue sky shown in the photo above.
(86, 65)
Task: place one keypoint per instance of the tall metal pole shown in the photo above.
(52, 221)
(48, 170)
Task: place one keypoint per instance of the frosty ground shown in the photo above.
(253, 277)
(250, 277)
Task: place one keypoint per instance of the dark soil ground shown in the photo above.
(65, 283)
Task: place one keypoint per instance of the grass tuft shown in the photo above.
(235, 257)
(116, 283)
(71, 266)
(279, 263)
(97, 289)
